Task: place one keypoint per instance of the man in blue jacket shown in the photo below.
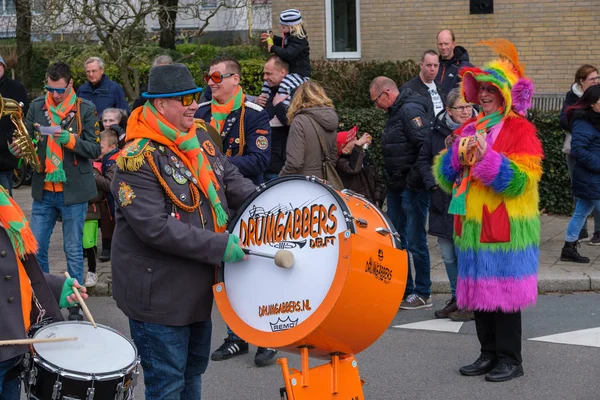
(243, 125)
(100, 90)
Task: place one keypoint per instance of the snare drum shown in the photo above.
(101, 364)
(348, 277)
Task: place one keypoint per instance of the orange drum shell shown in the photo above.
(361, 302)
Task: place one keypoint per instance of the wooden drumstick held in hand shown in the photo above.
(18, 342)
(282, 258)
(86, 310)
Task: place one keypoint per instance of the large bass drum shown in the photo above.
(348, 277)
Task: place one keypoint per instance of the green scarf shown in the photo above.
(221, 111)
(54, 152)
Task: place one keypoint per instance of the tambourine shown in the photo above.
(468, 157)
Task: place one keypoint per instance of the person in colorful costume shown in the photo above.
(173, 191)
(495, 206)
(27, 293)
(66, 182)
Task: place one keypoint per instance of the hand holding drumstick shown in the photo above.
(77, 297)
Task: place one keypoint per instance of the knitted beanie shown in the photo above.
(290, 17)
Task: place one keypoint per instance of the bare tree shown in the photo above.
(24, 48)
(121, 25)
(167, 16)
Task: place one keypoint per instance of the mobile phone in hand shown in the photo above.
(49, 130)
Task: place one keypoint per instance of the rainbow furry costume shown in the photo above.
(497, 241)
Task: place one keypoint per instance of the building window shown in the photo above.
(343, 28)
(7, 7)
(209, 3)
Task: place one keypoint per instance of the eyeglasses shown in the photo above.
(489, 88)
(54, 89)
(216, 77)
(378, 97)
(468, 108)
(594, 79)
(188, 99)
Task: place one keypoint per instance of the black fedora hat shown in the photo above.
(170, 80)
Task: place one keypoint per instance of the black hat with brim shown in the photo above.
(169, 81)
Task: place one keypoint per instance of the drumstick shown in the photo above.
(17, 342)
(86, 311)
(282, 258)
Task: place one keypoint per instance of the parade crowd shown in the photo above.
(161, 180)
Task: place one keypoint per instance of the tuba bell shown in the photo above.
(23, 140)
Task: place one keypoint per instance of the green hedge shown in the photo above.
(555, 187)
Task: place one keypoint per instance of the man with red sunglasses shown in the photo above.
(243, 125)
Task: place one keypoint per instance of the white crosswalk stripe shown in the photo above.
(584, 337)
(439, 325)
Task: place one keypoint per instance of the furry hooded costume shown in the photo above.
(497, 238)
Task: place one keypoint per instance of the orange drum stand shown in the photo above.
(338, 298)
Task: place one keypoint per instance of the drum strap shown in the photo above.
(41, 290)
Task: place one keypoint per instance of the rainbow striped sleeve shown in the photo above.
(446, 169)
(508, 175)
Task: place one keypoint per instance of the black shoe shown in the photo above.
(230, 348)
(583, 234)
(462, 315)
(504, 372)
(75, 314)
(569, 253)
(446, 311)
(595, 239)
(264, 357)
(105, 255)
(481, 366)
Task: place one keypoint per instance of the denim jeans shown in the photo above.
(408, 212)
(173, 358)
(232, 333)
(6, 180)
(10, 390)
(43, 218)
(596, 212)
(583, 208)
(450, 261)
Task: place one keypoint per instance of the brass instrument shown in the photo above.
(23, 140)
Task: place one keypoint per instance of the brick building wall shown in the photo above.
(553, 37)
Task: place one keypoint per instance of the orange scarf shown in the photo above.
(147, 123)
(14, 222)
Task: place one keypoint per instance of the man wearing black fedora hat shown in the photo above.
(174, 190)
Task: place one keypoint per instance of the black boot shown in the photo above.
(105, 255)
(570, 253)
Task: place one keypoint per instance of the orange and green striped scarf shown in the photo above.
(54, 152)
(220, 112)
(146, 122)
(14, 222)
(458, 204)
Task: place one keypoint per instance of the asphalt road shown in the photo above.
(416, 364)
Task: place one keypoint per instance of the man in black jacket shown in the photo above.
(452, 58)
(10, 89)
(405, 131)
(425, 85)
(275, 71)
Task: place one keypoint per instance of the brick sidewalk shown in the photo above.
(554, 275)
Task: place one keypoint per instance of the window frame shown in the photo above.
(353, 55)
(3, 8)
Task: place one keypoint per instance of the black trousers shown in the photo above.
(500, 336)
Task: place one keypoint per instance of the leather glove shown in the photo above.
(233, 251)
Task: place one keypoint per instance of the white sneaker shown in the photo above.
(91, 279)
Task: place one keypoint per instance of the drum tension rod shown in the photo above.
(386, 231)
(359, 221)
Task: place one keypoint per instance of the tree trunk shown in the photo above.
(24, 49)
(167, 15)
(130, 91)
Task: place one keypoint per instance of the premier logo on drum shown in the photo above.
(379, 271)
(282, 325)
(316, 222)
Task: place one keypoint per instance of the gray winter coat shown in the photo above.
(303, 151)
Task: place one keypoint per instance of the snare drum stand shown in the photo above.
(338, 379)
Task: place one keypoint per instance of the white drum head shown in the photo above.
(303, 217)
(96, 351)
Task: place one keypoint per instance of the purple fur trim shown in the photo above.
(468, 130)
(456, 165)
(505, 294)
(487, 169)
(522, 94)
